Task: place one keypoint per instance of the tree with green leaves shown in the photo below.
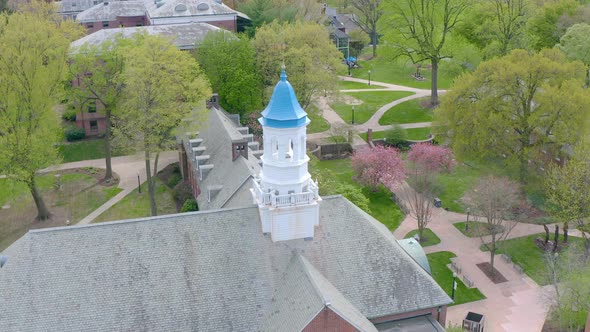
(366, 16)
(97, 73)
(309, 55)
(516, 107)
(163, 86)
(576, 46)
(263, 12)
(229, 63)
(568, 190)
(420, 29)
(547, 25)
(33, 68)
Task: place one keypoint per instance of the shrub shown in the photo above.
(397, 137)
(174, 179)
(69, 115)
(189, 206)
(182, 191)
(74, 133)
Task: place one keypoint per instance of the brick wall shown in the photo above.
(131, 21)
(229, 25)
(329, 321)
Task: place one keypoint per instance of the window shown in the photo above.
(95, 2)
(92, 107)
(93, 126)
(90, 25)
(105, 24)
(139, 24)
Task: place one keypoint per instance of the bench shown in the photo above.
(467, 282)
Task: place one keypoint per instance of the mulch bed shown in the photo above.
(496, 278)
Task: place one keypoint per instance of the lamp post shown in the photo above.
(138, 184)
(352, 114)
(454, 286)
(369, 77)
(467, 222)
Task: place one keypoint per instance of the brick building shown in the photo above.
(113, 14)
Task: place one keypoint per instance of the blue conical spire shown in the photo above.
(283, 110)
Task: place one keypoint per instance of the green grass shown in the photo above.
(428, 238)
(318, 123)
(136, 205)
(525, 253)
(77, 197)
(85, 150)
(372, 101)
(407, 112)
(444, 277)
(400, 72)
(415, 134)
(476, 228)
(350, 85)
(418, 134)
(381, 206)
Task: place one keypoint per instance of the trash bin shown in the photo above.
(437, 202)
(473, 322)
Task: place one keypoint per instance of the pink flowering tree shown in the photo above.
(380, 165)
(423, 165)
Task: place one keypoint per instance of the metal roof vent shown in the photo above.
(202, 6)
(159, 3)
(180, 8)
(3, 260)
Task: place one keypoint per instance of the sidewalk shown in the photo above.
(515, 305)
(373, 123)
(128, 168)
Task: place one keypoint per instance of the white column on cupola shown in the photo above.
(286, 195)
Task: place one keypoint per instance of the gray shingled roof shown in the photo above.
(110, 10)
(206, 271)
(75, 6)
(235, 177)
(184, 35)
(169, 8)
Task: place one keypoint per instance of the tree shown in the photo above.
(493, 199)
(367, 14)
(568, 190)
(229, 63)
(424, 163)
(568, 272)
(358, 41)
(32, 69)
(263, 12)
(309, 55)
(163, 85)
(419, 29)
(544, 29)
(516, 107)
(97, 72)
(576, 46)
(339, 135)
(379, 165)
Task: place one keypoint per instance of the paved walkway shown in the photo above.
(515, 305)
(128, 168)
(373, 123)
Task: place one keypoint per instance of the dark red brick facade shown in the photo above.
(441, 316)
(329, 321)
(130, 21)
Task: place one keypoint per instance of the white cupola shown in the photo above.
(286, 195)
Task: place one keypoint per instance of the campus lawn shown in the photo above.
(350, 85)
(407, 112)
(380, 203)
(414, 134)
(85, 150)
(476, 228)
(136, 205)
(78, 196)
(428, 239)
(318, 123)
(444, 277)
(372, 101)
(524, 252)
(400, 71)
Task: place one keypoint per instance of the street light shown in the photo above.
(369, 77)
(352, 114)
(467, 222)
(454, 286)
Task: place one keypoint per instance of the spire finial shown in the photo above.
(283, 72)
